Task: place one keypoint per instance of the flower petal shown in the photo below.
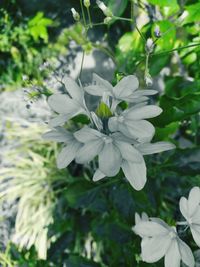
(89, 151)
(100, 86)
(186, 253)
(145, 112)
(113, 124)
(148, 148)
(61, 103)
(141, 130)
(73, 89)
(67, 154)
(98, 175)
(58, 120)
(128, 152)
(110, 160)
(58, 135)
(150, 229)
(153, 249)
(193, 200)
(139, 93)
(195, 230)
(87, 134)
(173, 257)
(183, 205)
(126, 86)
(135, 172)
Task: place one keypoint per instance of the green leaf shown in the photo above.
(78, 261)
(117, 6)
(164, 133)
(163, 2)
(177, 109)
(193, 13)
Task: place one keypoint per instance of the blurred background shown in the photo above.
(51, 217)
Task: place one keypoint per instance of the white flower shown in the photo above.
(69, 152)
(149, 45)
(160, 240)
(143, 218)
(125, 90)
(67, 106)
(115, 151)
(132, 124)
(190, 209)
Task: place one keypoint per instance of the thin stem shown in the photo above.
(120, 18)
(89, 17)
(182, 223)
(175, 49)
(83, 14)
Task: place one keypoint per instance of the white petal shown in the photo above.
(63, 104)
(150, 229)
(87, 134)
(145, 112)
(128, 152)
(110, 160)
(100, 86)
(195, 230)
(193, 200)
(153, 249)
(137, 218)
(58, 135)
(73, 89)
(145, 217)
(98, 175)
(126, 86)
(141, 130)
(183, 205)
(186, 253)
(196, 216)
(58, 120)
(67, 154)
(135, 172)
(173, 257)
(139, 93)
(113, 124)
(89, 151)
(148, 148)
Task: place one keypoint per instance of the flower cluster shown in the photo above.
(118, 137)
(160, 240)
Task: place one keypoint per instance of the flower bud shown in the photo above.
(149, 45)
(75, 14)
(107, 12)
(87, 3)
(157, 32)
(148, 79)
(107, 20)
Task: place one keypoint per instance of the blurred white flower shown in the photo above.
(190, 209)
(149, 45)
(132, 124)
(143, 218)
(160, 240)
(67, 106)
(125, 90)
(69, 152)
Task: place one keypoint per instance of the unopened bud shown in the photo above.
(107, 12)
(157, 31)
(149, 45)
(75, 14)
(107, 20)
(86, 3)
(148, 79)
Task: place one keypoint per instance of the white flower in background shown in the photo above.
(68, 153)
(125, 90)
(67, 106)
(190, 209)
(115, 151)
(132, 124)
(160, 240)
(149, 45)
(143, 218)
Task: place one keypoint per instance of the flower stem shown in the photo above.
(82, 61)
(83, 14)
(89, 17)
